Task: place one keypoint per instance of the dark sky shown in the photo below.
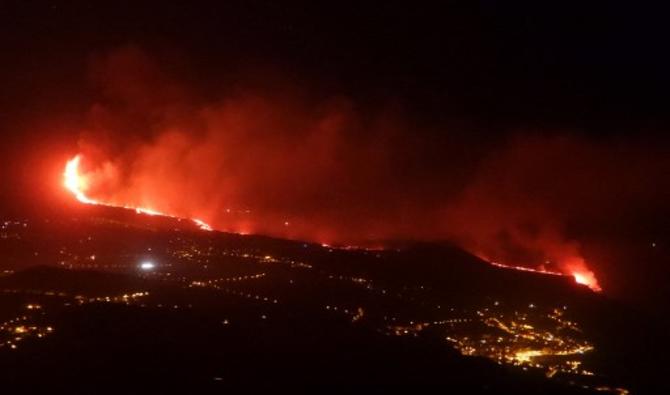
(525, 130)
(599, 68)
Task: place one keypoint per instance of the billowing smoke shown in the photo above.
(254, 160)
(275, 160)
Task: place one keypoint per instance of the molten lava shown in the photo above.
(580, 274)
(78, 184)
(586, 277)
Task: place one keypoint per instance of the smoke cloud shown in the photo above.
(274, 160)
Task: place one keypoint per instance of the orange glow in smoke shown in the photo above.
(587, 278)
(78, 184)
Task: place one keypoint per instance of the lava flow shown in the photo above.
(77, 184)
(581, 276)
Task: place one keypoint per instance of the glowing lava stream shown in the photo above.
(584, 277)
(76, 184)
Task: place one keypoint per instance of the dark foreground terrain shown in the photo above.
(102, 299)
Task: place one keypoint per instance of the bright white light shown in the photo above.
(147, 265)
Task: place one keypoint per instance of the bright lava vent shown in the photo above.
(78, 184)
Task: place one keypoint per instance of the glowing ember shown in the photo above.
(78, 184)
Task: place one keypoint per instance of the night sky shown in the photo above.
(525, 132)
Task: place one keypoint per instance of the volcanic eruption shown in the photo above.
(78, 184)
(278, 163)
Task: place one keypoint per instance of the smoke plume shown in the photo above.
(274, 160)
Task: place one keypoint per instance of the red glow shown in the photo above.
(78, 185)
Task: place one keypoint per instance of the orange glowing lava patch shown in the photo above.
(77, 183)
(587, 278)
